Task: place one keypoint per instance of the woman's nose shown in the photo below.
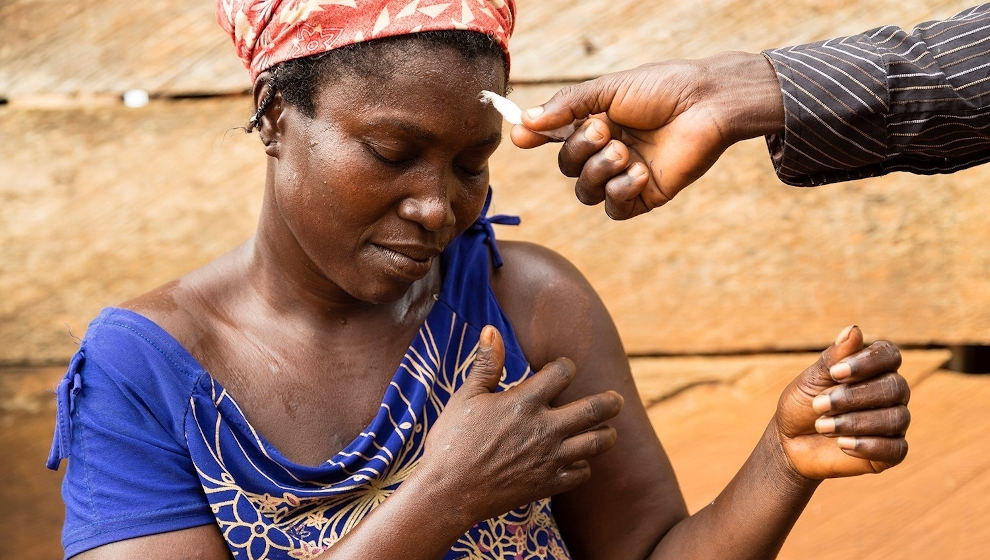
(430, 207)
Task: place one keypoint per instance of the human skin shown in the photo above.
(309, 289)
(655, 129)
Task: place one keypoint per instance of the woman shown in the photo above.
(199, 418)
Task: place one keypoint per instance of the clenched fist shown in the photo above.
(847, 414)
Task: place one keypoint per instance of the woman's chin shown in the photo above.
(385, 289)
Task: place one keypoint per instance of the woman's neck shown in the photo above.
(287, 281)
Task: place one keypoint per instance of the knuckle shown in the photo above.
(565, 94)
(900, 450)
(892, 389)
(902, 418)
(889, 352)
(901, 388)
(593, 409)
(596, 445)
(844, 423)
(482, 362)
(566, 161)
(585, 193)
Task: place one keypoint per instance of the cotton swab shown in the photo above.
(513, 114)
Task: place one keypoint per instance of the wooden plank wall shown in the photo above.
(99, 202)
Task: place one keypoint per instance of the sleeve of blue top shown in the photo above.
(120, 424)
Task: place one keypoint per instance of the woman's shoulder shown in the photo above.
(546, 298)
(170, 308)
(182, 307)
(533, 271)
(131, 350)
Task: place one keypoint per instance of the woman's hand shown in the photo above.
(496, 451)
(846, 415)
(657, 128)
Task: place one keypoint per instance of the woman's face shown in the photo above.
(388, 170)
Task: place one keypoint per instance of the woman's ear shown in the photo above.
(268, 112)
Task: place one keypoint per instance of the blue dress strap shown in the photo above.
(484, 225)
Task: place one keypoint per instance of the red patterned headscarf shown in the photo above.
(267, 32)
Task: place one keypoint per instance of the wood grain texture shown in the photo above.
(934, 505)
(175, 47)
(572, 40)
(101, 204)
(108, 46)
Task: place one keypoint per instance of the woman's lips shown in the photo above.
(410, 261)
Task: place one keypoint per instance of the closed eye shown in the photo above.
(388, 157)
(474, 171)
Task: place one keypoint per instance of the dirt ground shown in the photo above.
(709, 413)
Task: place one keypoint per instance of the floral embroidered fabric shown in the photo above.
(156, 444)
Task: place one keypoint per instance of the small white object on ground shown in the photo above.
(135, 98)
(513, 114)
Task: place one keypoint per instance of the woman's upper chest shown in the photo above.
(308, 391)
(309, 399)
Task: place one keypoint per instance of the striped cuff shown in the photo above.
(835, 106)
(885, 100)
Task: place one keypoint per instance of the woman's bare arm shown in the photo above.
(632, 507)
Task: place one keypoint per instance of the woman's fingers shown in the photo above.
(544, 386)
(879, 357)
(588, 412)
(572, 476)
(881, 452)
(889, 389)
(587, 444)
(891, 421)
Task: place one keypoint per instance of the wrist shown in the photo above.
(747, 94)
(448, 512)
(780, 467)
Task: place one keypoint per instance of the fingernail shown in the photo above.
(487, 336)
(844, 334)
(822, 404)
(846, 442)
(637, 170)
(612, 152)
(534, 112)
(825, 425)
(840, 371)
(592, 133)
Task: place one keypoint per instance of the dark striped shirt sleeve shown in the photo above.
(885, 100)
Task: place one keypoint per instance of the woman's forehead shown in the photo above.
(446, 87)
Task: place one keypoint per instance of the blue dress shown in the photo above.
(155, 444)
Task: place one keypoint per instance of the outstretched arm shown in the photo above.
(632, 508)
(847, 108)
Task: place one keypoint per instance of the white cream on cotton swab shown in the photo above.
(513, 114)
